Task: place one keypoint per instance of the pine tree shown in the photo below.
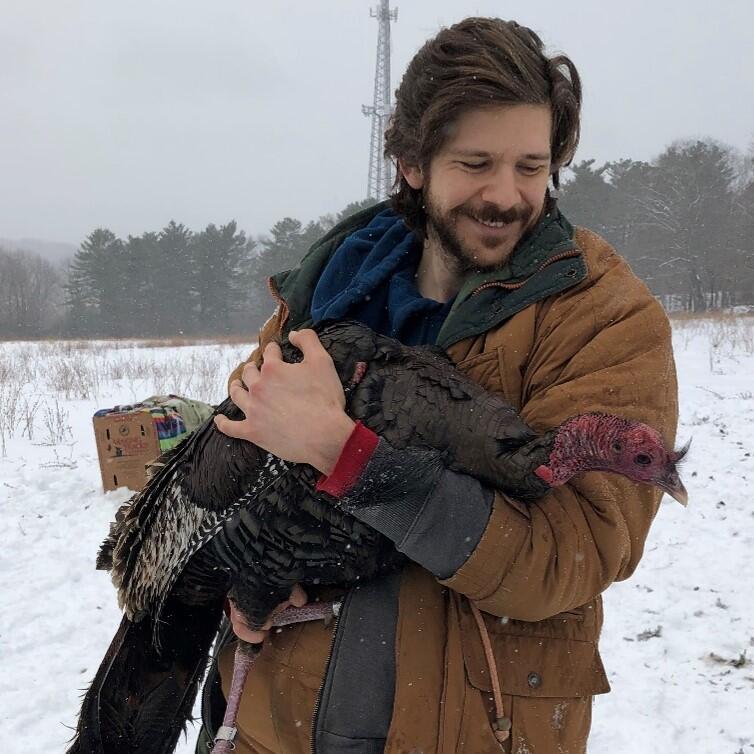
(353, 207)
(95, 287)
(281, 250)
(173, 270)
(142, 301)
(587, 198)
(220, 256)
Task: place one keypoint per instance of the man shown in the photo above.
(474, 256)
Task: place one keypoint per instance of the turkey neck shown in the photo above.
(583, 443)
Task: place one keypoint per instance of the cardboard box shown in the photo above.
(126, 443)
(130, 437)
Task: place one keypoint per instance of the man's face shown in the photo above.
(486, 186)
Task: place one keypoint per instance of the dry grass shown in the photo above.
(728, 335)
(177, 342)
(10, 405)
(718, 315)
(72, 377)
(56, 423)
(38, 378)
(173, 341)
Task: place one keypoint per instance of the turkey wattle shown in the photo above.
(221, 516)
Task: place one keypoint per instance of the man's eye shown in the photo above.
(473, 165)
(530, 169)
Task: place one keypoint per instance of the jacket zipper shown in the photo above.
(318, 700)
(222, 640)
(513, 286)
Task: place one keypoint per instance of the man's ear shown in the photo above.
(412, 173)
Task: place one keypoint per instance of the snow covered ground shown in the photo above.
(679, 636)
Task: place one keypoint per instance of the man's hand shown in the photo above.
(295, 411)
(298, 598)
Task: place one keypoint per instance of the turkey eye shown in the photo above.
(617, 447)
(643, 459)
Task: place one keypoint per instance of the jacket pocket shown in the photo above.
(547, 686)
(536, 666)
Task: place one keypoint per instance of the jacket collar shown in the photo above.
(547, 262)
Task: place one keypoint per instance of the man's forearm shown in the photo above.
(434, 515)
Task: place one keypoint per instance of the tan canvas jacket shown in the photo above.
(538, 571)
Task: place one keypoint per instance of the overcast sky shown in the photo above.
(128, 115)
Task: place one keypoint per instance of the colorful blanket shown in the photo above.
(173, 416)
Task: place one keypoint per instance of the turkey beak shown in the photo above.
(672, 484)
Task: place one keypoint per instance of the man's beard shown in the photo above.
(463, 259)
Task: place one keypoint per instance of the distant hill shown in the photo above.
(53, 251)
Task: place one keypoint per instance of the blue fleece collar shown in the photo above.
(371, 278)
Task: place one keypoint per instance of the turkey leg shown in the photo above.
(244, 658)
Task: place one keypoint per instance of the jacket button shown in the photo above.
(534, 680)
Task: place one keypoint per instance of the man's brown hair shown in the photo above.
(478, 62)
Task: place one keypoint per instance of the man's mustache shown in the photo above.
(489, 213)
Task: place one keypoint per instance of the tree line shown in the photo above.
(684, 221)
(175, 281)
(171, 282)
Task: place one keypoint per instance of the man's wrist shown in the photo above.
(354, 457)
(334, 439)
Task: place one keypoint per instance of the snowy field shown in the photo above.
(678, 641)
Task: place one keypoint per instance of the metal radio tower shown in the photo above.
(380, 170)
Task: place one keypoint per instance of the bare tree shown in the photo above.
(30, 294)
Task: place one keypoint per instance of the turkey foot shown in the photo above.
(325, 611)
(244, 658)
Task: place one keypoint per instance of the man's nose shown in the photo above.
(501, 188)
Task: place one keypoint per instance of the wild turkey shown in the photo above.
(221, 515)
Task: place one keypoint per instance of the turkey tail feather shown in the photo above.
(140, 701)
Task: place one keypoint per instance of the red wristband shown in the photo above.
(353, 458)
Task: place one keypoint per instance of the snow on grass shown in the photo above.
(678, 640)
(58, 613)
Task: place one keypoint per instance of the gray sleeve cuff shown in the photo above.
(435, 516)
